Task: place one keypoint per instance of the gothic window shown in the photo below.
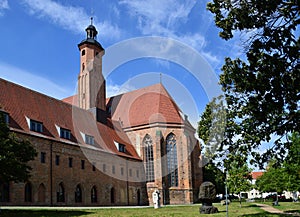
(28, 192)
(4, 192)
(172, 163)
(148, 156)
(78, 194)
(61, 193)
(94, 194)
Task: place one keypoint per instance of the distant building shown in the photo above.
(254, 193)
(94, 151)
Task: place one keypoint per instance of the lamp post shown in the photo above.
(226, 193)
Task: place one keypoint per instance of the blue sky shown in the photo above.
(39, 46)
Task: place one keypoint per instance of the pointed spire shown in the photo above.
(92, 20)
(91, 35)
(91, 31)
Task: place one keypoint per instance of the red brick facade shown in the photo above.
(102, 161)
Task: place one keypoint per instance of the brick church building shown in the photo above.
(94, 151)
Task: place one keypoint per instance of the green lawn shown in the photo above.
(247, 210)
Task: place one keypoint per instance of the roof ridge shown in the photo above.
(38, 93)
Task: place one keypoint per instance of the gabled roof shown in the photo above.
(144, 106)
(24, 104)
(256, 175)
(152, 104)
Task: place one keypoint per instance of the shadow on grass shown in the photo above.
(42, 213)
(293, 212)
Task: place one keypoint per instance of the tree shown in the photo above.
(262, 92)
(14, 155)
(211, 127)
(273, 180)
(213, 174)
(292, 163)
(287, 175)
(239, 177)
(211, 131)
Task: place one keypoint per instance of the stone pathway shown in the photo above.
(271, 209)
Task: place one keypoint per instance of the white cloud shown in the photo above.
(165, 18)
(32, 81)
(114, 89)
(3, 6)
(159, 16)
(68, 17)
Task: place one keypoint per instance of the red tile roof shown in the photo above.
(256, 175)
(144, 106)
(23, 104)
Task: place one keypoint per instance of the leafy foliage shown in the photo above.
(274, 180)
(14, 155)
(262, 93)
(285, 177)
(214, 175)
(239, 177)
(292, 163)
(211, 127)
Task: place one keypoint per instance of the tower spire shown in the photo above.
(92, 19)
(91, 82)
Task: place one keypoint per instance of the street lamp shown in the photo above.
(226, 193)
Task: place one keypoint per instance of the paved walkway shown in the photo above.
(271, 209)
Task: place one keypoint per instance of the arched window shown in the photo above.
(78, 194)
(4, 192)
(94, 194)
(112, 195)
(28, 192)
(172, 160)
(41, 193)
(148, 158)
(60, 196)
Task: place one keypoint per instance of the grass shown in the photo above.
(247, 210)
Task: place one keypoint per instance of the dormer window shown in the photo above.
(36, 126)
(65, 133)
(122, 148)
(89, 140)
(5, 117)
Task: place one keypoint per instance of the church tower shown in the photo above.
(91, 83)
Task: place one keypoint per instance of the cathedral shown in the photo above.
(98, 151)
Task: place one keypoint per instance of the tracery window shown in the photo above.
(172, 162)
(148, 153)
